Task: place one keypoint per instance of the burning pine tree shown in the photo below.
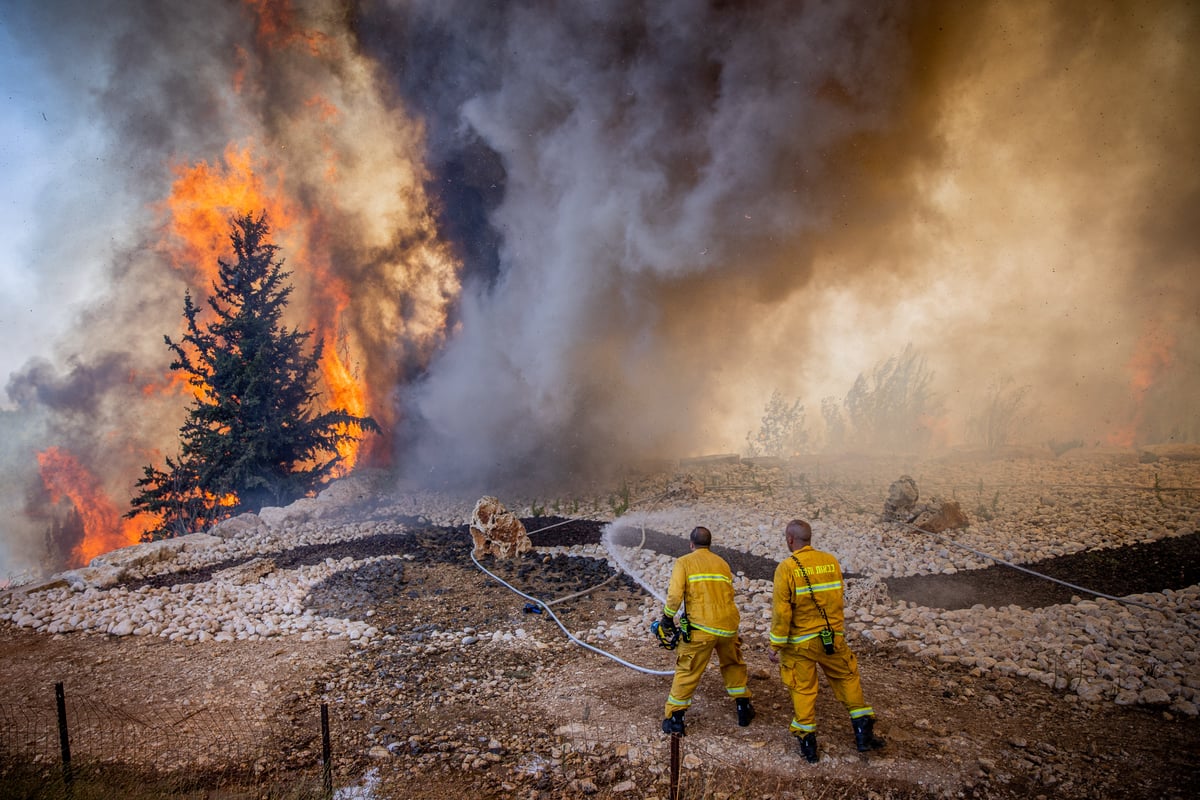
(251, 438)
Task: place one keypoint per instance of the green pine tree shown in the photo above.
(251, 438)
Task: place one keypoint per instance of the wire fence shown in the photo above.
(78, 748)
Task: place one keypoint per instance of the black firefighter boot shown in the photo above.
(808, 747)
(864, 734)
(745, 711)
(674, 724)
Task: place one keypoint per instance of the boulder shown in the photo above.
(236, 527)
(497, 531)
(299, 512)
(901, 500)
(98, 577)
(61, 581)
(352, 489)
(934, 515)
(139, 555)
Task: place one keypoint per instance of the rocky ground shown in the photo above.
(210, 664)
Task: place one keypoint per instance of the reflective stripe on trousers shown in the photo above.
(798, 670)
(691, 660)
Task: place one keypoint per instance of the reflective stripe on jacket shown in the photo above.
(703, 585)
(794, 616)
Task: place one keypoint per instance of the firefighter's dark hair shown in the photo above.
(701, 536)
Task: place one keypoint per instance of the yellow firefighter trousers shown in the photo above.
(692, 658)
(798, 669)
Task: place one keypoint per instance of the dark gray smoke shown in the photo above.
(669, 172)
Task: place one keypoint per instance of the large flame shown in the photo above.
(103, 527)
(337, 168)
(277, 27)
(202, 201)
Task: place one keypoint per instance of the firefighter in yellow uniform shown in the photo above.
(808, 628)
(702, 586)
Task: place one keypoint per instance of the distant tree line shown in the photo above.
(889, 407)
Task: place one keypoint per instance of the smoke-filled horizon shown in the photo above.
(541, 242)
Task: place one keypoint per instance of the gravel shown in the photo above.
(313, 570)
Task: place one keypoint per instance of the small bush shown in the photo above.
(781, 432)
(890, 407)
(1004, 410)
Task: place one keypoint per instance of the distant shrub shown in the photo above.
(782, 432)
(1004, 410)
(889, 407)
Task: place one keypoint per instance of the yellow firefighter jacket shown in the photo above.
(702, 583)
(795, 617)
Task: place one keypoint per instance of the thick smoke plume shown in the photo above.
(545, 240)
(702, 203)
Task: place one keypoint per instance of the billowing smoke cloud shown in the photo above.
(703, 203)
(670, 172)
(547, 239)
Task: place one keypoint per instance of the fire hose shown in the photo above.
(538, 606)
(1189, 620)
(546, 607)
(665, 637)
(1124, 600)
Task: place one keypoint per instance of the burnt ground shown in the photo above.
(1171, 563)
(562, 722)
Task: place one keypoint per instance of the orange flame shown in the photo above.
(202, 201)
(345, 390)
(103, 527)
(345, 394)
(224, 501)
(1152, 354)
(175, 383)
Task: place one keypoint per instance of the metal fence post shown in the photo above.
(326, 755)
(64, 739)
(673, 793)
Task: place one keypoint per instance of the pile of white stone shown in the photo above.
(1143, 650)
(253, 601)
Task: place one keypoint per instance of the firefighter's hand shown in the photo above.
(666, 638)
(773, 654)
(668, 625)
